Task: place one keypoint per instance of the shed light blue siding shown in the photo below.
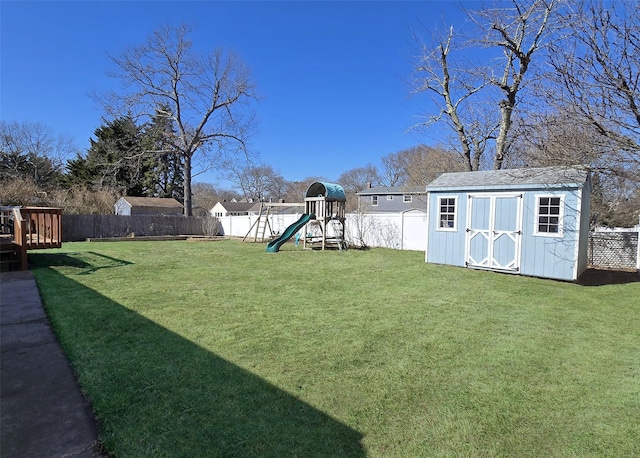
(497, 222)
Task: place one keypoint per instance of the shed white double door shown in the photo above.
(494, 231)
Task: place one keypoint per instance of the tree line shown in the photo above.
(525, 83)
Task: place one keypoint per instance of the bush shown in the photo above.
(22, 192)
(85, 201)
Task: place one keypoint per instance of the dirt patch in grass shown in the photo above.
(599, 277)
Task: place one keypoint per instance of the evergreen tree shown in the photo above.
(116, 158)
(164, 176)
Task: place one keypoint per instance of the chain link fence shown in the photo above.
(613, 250)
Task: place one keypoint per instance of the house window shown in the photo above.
(447, 213)
(549, 215)
(389, 197)
(407, 198)
(374, 201)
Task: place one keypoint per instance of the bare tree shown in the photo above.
(205, 195)
(598, 70)
(453, 88)
(359, 178)
(207, 97)
(421, 164)
(258, 182)
(478, 101)
(519, 32)
(394, 170)
(31, 151)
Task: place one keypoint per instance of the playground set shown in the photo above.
(321, 225)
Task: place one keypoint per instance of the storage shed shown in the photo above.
(127, 206)
(525, 221)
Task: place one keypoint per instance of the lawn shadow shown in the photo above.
(600, 277)
(87, 262)
(156, 393)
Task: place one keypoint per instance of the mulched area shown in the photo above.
(599, 277)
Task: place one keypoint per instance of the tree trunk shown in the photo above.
(506, 110)
(187, 186)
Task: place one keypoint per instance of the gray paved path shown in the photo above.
(42, 410)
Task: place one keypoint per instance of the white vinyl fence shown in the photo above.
(402, 231)
(239, 226)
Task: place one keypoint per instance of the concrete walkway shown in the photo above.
(43, 412)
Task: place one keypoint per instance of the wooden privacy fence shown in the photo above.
(82, 227)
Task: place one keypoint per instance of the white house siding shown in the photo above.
(122, 207)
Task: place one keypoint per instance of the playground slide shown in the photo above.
(275, 244)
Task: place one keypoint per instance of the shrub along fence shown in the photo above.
(81, 227)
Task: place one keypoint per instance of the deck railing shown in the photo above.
(43, 227)
(31, 228)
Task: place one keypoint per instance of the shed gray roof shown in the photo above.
(392, 190)
(511, 178)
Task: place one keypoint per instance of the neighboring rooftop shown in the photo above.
(392, 190)
(240, 206)
(153, 202)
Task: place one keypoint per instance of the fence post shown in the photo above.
(638, 246)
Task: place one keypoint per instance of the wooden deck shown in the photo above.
(28, 228)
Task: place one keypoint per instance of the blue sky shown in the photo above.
(332, 75)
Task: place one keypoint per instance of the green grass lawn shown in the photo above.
(220, 349)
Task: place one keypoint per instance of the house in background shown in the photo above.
(235, 209)
(127, 206)
(392, 199)
(526, 221)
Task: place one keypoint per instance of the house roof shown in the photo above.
(240, 206)
(286, 210)
(511, 178)
(392, 190)
(163, 202)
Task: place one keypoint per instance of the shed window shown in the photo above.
(374, 201)
(447, 213)
(549, 215)
(407, 198)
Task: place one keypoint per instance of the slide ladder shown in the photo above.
(261, 225)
